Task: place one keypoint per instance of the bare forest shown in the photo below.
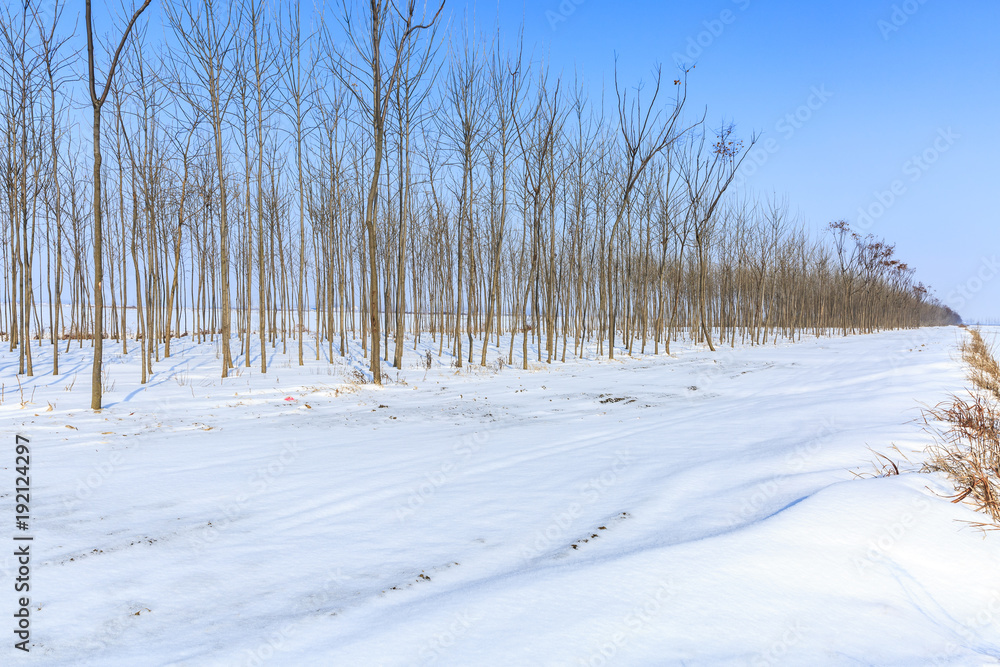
(260, 175)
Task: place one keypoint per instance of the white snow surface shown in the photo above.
(694, 509)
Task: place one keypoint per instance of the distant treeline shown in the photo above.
(273, 171)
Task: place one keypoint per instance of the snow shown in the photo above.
(502, 517)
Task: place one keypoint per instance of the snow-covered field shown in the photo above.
(693, 509)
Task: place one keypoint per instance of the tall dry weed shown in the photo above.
(967, 448)
(983, 370)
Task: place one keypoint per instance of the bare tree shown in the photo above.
(707, 177)
(207, 35)
(645, 134)
(97, 102)
(379, 79)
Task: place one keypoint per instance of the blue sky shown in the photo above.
(864, 106)
(870, 85)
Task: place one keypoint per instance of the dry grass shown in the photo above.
(984, 372)
(968, 449)
(358, 377)
(882, 465)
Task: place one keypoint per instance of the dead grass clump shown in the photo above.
(968, 452)
(882, 465)
(967, 433)
(359, 377)
(984, 372)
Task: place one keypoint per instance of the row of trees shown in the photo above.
(265, 176)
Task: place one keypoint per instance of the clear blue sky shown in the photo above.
(888, 81)
(900, 75)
